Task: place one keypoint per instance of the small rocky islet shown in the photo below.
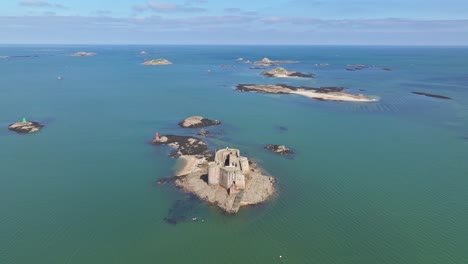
(25, 127)
(157, 62)
(266, 62)
(198, 122)
(283, 73)
(279, 149)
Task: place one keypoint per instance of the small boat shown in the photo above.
(59, 78)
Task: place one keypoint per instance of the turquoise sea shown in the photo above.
(383, 182)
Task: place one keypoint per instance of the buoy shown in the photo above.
(280, 256)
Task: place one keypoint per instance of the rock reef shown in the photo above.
(183, 145)
(198, 122)
(283, 73)
(156, 62)
(322, 93)
(83, 54)
(25, 127)
(432, 95)
(358, 67)
(279, 149)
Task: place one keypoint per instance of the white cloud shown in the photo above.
(165, 7)
(39, 3)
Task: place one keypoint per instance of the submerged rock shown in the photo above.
(83, 54)
(198, 122)
(25, 127)
(280, 149)
(432, 95)
(203, 132)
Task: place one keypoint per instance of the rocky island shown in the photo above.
(322, 93)
(157, 62)
(279, 149)
(224, 178)
(283, 73)
(83, 54)
(198, 122)
(265, 62)
(24, 127)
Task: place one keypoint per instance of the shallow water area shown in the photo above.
(379, 182)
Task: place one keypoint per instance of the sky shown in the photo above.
(294, 22)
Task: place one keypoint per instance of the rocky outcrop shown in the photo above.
(322, 93)
(432, 95)
(258, 188)
(25, 127)
(157, 62)
(198, 122)
(83, 54)
(358, 67)
(183, 145)
(279, 149)
(265, 62)
(283, 73)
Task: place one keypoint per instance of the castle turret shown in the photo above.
(213, 174)
(244, 164)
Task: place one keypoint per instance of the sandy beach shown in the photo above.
(334, 96)
(190, 164)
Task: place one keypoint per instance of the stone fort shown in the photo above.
(228, 170)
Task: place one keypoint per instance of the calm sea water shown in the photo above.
(383, 182)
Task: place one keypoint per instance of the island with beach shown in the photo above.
(322, 93)
(223, 178)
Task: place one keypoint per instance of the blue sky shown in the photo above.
(355, 22)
